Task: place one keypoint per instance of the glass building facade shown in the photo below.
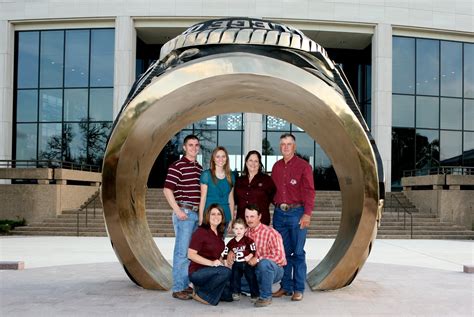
(63, 94)
(432, 105)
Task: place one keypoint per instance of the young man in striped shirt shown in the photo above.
(183, 192)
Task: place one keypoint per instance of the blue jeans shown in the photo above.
(183, 230)
(268, 273)
(294, 238)
(212, 284)
(240, 269)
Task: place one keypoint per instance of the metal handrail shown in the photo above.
(49, 164)
(85, 206)
(440, 170)
(405, 211)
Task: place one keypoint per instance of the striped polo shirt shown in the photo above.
(183, 180)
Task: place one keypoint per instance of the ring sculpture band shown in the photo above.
(241, 65)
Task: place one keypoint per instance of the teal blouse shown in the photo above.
(218, 192)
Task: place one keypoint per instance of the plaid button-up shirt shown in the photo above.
(269, 244)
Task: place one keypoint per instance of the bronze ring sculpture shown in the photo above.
(241, 65)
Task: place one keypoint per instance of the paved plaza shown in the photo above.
(81, 276)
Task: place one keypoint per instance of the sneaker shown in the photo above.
(181, 295)
(253, 299)
(263, 302)
(235, 296)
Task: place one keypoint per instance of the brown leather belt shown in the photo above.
(188, 206)
(286, 207)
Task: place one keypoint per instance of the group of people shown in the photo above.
(207, 204)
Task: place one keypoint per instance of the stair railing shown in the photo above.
(405, 211)
(85, 207)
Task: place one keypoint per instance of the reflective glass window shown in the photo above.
(208, 123)
(75, 142)
(96, 141)
(305, 146)
(208, 141)
(26, 141)
(451, 113)
(51, 59)
(101, 104)
(271, 149)
(427, 67)
(51, 102)
(230, 121)
(468, 70)
(403, 67)
(468, 154)
(403, 153)
(102, 58)
(27, 105)
(232, 141)
(403, 111)
(427, 148)
(76, 71)
(28, 58)
(451, 69)
(322, 159)
(75, 104)
(450, 148)
(50, 141)
(274, 123)
(427, 112)
(468, 114)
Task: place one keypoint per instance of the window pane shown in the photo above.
(75, 142)
(305, 147)
(51, 54)
(97, 136)
(26, 141)
(208, 141)
(274, 123)
(468, 114)
(451, 148)
(102, 58)
(75, 104)
(27, 105)
(427, 148)
(403, 111)
(232, 141)
(271, 149)
(468, 70)
(468, 155)
(207, 124)
(230, 121)
(50, 141)
(101, 104)
(403, 65)
(51, 105)
(28, 50)
(77, 58)
(403, 153)
(427, 112)
(322, 160)
(451, 69)
(451, 113)
(427, 67)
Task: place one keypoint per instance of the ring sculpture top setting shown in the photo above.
(241, 65)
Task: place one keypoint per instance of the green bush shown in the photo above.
(6, 225)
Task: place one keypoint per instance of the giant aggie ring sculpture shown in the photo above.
(241, 65)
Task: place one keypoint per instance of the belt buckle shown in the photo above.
(284, 207)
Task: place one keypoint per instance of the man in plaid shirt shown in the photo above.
(270, 255)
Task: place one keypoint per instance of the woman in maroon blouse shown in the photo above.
(211, 279)
(254, 187)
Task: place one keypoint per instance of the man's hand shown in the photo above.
(230, 258)
(252, 261)
(216, 263)
(181, 215)
(305, 221)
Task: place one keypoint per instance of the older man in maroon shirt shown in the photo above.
(294, 202)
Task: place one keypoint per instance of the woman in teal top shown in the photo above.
(217, 185)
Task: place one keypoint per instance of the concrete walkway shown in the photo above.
(67, 276)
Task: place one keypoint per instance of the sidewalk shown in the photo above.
(81, 276)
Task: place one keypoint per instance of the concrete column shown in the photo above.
(252, 132)
(125, 56)
(6, 89)
(382, 96)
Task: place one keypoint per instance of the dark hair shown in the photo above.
(207, 216)
(190, 137)
(227, 171)
(253, 207)
(288, 135)
(260, 168)
(239, 221)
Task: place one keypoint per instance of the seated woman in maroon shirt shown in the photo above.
(211, 279)
(254, 187)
